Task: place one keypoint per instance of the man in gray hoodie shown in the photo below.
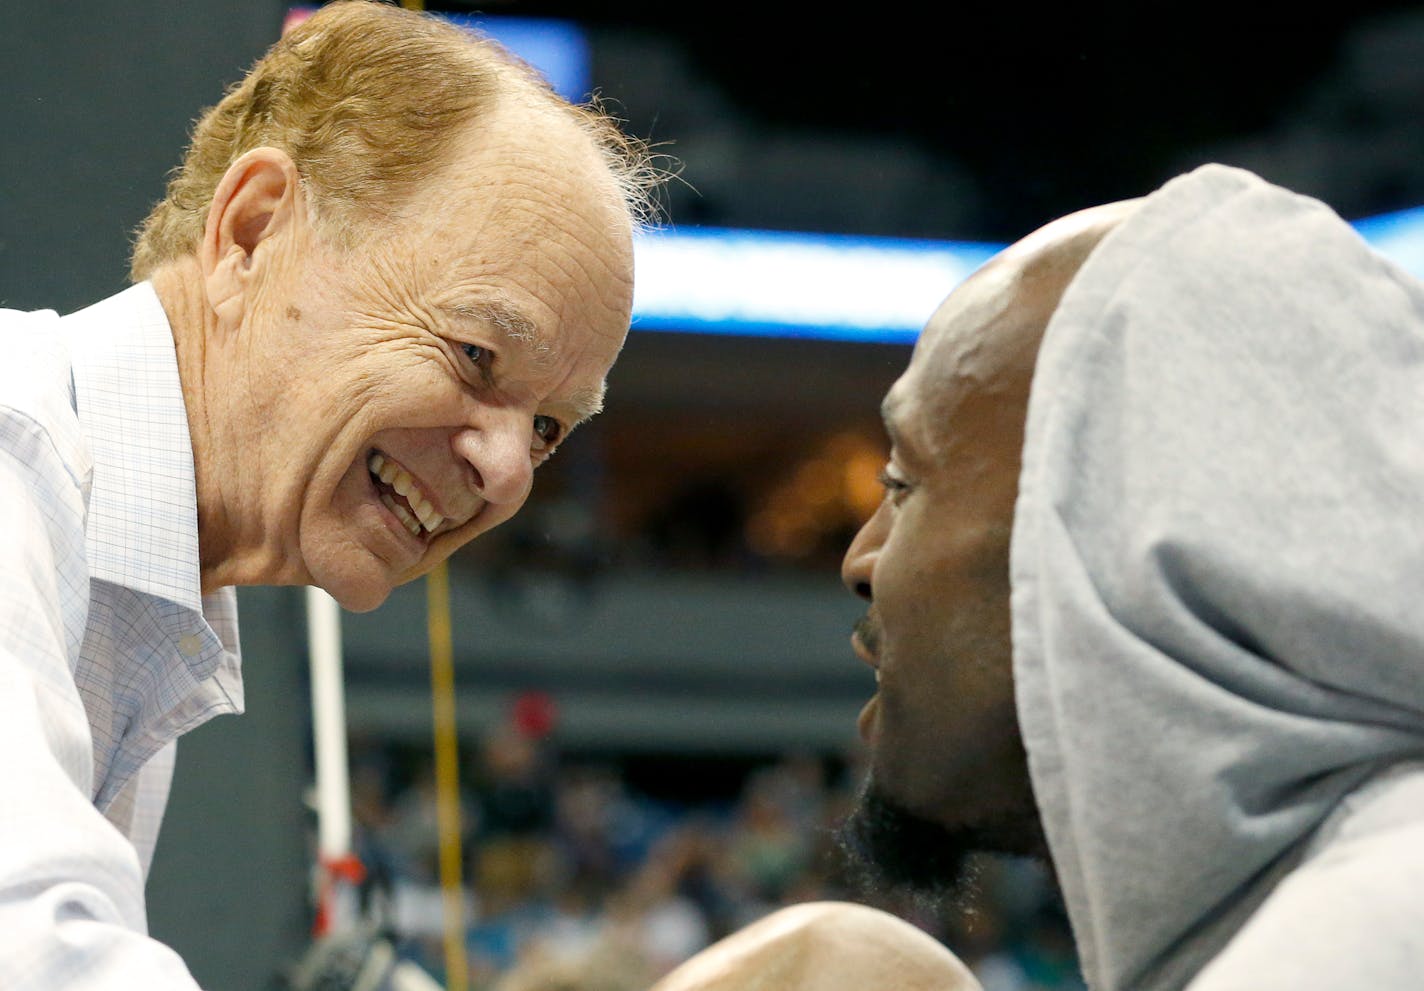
(1142, 597)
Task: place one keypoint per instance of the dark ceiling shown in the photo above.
(979, 123)
(1038, 110)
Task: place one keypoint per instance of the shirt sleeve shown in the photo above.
(71, 886)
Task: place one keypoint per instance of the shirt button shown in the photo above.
(190, 645)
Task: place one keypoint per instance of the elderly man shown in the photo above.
(1171, 450)
(387, 281)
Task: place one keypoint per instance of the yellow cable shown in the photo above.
(447, 757)
(447, 774)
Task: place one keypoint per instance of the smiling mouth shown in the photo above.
(398, 491)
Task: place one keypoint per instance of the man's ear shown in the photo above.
(258, 199)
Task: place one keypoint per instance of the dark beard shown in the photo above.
(888, 850)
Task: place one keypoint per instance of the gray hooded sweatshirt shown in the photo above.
(1218, 570)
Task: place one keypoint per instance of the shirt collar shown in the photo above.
(142, 531)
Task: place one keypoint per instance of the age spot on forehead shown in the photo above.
(292, 312)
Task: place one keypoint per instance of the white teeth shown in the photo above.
(403, 483)
(409, 521)
(421, 513)
(429, 518)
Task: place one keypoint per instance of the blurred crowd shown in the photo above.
(577, 880)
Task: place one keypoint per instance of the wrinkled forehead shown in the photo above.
(531, 160)
(530, 213)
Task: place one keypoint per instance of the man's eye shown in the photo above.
(893, 486)
(474, 352)
(547, 432)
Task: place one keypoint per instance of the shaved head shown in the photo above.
(982, 342)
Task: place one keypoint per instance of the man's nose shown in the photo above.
(859, 562)
(497, 449)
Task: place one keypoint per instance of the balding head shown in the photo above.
(370, 102)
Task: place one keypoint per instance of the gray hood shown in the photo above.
(1218, 561)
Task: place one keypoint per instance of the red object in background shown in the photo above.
(335, 871)
(534, 714)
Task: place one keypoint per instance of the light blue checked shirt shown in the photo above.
(108, 649)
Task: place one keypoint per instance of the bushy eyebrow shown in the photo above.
(522, 332)
(515, 326)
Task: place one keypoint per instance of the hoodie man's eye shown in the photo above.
(894, 487)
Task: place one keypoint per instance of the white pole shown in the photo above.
(333, 788)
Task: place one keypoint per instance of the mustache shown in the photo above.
(867, 631)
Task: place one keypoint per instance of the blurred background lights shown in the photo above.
(706, 280)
